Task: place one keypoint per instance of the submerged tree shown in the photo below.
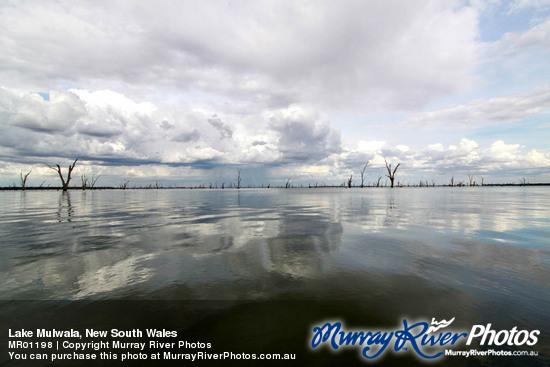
(93, 180)
(84, 181)
(24, 179)
(391, 173)
(363, 174)
(65, 183)
(88, 182)
(124, 184)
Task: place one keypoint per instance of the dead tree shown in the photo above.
(391, 173)
(24, 179)
(124, 185)
(287, 185)
(65, 183)
(363, 174)
(378, 181)
(350, 181)
(84, 181)
(239, 179)
(93, 180)
(88, 182)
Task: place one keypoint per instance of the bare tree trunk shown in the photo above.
(363, 174)
(93, 180)
(65, 184)
(124, 185)
(391, 174)
(239, 179)
(84, 181)
(350, 181)
(24, 179)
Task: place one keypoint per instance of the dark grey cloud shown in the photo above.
(165, 125)
(302, 137)
(225, 131)
(355, 159)
(100, 130)
(185, 137)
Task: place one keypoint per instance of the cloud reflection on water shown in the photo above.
(229, 244)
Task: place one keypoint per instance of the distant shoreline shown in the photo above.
(202, 187)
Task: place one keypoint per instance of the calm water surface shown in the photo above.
(478, 254)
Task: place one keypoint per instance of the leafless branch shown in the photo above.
(24, 179)
(64, 183)
(391, 173)
(363, 174)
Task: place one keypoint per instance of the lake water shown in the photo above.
(364, 256)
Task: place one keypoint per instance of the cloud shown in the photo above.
(55, 116)
(492, 110)
(469, 157)
(502, 152)
(77, 123)
(512, 44)
(211, 85)
(520, 5)
(465, 154)
(302, 137)
(392, 54)
(109, 128)
(465, 157)
(188, 136)
(225, 131)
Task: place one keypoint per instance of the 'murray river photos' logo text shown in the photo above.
(428, 341)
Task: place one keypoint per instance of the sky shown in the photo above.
(186, 93)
